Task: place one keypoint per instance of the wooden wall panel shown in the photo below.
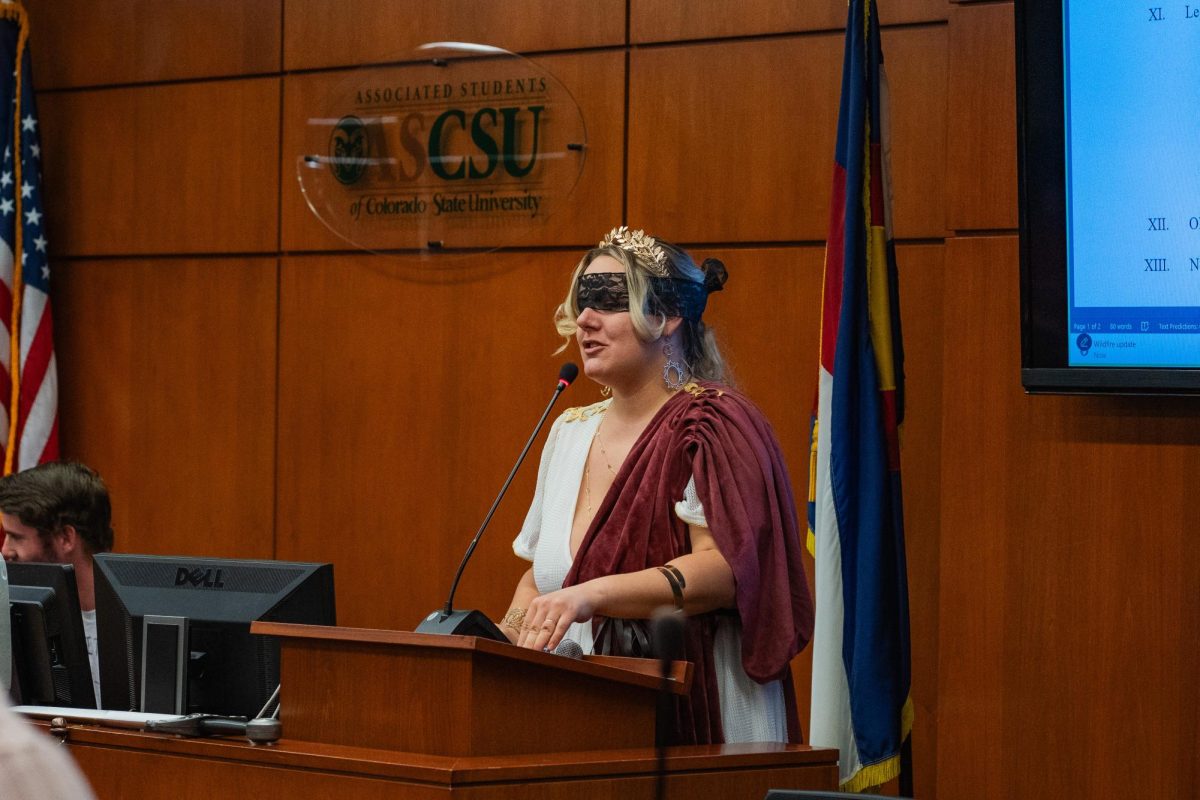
(977, 522)
(406, 393)
(921, 445)
(167, 372)
(1068, 574)
(982, 144)
(669, 20)
(916, 63)
(178, 168)
(596, 80)
(715, 155)
(718, 152)
(85, 43)
(324, 33)
(771, 347)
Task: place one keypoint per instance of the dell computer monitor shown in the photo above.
(50, 658)
(221, 667)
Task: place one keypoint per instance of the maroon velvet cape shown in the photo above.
(714, 434)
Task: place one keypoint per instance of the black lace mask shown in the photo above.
(670, 297)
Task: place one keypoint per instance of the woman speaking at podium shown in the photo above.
(671, 492)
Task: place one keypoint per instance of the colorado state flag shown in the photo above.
(861, 675)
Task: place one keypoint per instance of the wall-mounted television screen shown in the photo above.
(1108, 99)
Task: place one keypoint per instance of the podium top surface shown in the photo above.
(314, 758)
(631, 671)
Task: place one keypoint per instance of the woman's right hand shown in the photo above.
(550, 615)
(522, 597)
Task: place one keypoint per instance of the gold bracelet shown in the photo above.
(514, 618)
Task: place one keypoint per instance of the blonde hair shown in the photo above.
(702, 356)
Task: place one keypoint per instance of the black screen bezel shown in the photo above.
(1041, 186)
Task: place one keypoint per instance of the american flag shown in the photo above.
(28, 373)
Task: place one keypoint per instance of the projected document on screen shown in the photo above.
(1132, 94)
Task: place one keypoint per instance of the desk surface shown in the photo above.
(147, 766)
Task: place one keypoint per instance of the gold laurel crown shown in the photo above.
(647, 251)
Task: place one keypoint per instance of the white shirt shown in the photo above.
(89, 634)
(750, 711)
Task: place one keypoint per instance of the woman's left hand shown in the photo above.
(549, 615)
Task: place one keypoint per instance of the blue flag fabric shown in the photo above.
(861, 700)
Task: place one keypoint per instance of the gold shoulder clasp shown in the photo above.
(583, 413)
(696, 390)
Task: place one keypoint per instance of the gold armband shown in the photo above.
(677, 581)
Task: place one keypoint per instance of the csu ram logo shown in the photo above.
(348, 150)
(199, 578)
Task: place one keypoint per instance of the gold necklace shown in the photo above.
(587, 467)
(587, 486)
(603, 452)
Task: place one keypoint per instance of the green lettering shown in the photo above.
(437, 160)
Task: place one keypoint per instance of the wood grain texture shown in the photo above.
(84, 43)
(1067, 572)
(292, 753)
(922, 442)
(917, 72)
(981, 152)
(668, 20)
(461, 702)
(123, 764)
(717, 153)
(179, 168)
(641, 672)
(123, 773)
(595, 80)
(323, 33)
(167, 373)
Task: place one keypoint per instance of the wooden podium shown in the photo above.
(387, 714)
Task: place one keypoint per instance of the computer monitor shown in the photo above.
(50, 658)
(225, 669)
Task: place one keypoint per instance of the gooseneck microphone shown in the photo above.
(471, 622)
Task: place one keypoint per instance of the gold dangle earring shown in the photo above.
(606, 391)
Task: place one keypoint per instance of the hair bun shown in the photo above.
(715, 275)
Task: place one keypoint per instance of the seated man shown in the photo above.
(59, 513)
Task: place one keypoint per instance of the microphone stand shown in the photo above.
(667, 627)
(448, 621)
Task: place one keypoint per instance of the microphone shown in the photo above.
(567, 375)
(569, 648)
(667, 627)
(447, 621)
(667, 642)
